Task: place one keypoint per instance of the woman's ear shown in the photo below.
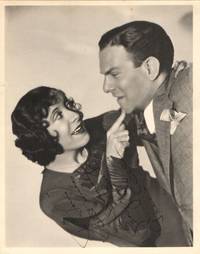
(152, 67)
(52, 132)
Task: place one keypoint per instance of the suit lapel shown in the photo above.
(156, 162)
(161, 101)
(163, 130)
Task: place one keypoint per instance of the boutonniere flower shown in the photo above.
(172, 116)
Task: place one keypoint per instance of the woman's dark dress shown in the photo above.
(82, 202)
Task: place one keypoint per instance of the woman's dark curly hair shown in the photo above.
(29, 126)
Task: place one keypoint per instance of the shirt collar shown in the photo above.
(149, 117)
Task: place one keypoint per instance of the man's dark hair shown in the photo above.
(29, 126)
(142, 39)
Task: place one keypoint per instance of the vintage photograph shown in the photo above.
(99, 125)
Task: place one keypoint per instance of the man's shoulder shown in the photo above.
(181, 84)
(182, 78)
(185, 74)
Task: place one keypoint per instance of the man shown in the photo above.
(136, 60)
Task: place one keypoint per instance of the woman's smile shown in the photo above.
(79, 129)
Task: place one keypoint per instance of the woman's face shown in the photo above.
(68, 126)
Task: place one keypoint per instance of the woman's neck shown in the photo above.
(68, 161)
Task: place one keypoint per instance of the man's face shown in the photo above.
(129, 85)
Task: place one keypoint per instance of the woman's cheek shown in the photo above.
(63, 128)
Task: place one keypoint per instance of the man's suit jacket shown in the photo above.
(172, 159)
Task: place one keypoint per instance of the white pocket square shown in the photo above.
(169, 115)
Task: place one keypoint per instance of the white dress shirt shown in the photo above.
(149, 118)
(143, 157)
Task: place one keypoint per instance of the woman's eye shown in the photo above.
(59, 115)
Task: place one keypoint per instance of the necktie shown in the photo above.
(142, 129)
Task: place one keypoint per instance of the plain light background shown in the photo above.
(57, 46)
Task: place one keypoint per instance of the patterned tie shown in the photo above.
(142, 129)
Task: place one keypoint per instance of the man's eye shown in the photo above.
(115, 75)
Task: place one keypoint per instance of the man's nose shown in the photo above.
(108, 86)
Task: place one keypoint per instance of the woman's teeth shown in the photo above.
(77, 130)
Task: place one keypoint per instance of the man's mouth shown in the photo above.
(79, 129)
(119, 98)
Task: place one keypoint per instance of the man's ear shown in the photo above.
(151, 66)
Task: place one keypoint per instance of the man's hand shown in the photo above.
(117, 138)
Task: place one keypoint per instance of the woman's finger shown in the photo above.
(119, 150)
(120, 133)
(118, 122)
(125, 144)
(122, 127)
(122, 138)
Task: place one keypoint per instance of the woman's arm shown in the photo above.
(117, 142)
(74, 216)
(116, 172)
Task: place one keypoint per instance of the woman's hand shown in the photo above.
(117, 138)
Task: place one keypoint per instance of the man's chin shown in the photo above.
(127, 110)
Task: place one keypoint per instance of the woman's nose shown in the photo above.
(107, 85)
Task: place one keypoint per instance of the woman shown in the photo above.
(87, 187)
